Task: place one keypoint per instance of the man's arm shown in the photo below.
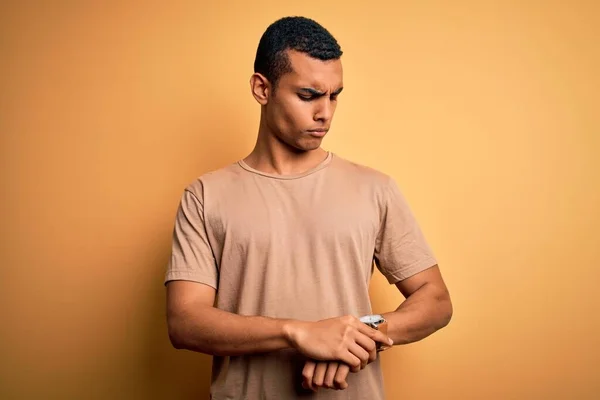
(195, 324)
(427, 307)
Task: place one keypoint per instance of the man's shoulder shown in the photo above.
(361, 172)
(221, 177)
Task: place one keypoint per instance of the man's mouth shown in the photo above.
(317, 132)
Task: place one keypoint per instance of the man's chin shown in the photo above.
(305, 144)
(310, 145)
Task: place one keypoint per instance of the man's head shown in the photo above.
(297, 78)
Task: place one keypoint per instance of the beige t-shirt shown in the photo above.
(296, 246)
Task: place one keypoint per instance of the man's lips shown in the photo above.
(318, 132)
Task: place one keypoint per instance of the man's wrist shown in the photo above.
(289, 332)
(379, 322)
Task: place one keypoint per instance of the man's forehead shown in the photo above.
(312, 72)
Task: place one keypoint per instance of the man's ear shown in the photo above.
(260, 87)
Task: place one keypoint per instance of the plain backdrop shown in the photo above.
(485, 112)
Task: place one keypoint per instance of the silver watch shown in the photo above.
(373, 320)
(377, 321)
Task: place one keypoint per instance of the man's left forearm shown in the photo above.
(425, 311)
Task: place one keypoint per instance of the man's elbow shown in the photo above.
(176, 332)
(445, 310)
(186, 336)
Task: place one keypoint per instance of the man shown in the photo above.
(272, 255)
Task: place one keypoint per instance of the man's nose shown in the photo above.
(324, 111)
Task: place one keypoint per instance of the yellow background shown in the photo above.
(487, 114)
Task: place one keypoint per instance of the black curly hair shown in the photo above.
(292, 33)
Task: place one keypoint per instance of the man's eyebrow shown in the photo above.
(312, 91)
(315, 92)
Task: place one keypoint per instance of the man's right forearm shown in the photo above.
(216, 332)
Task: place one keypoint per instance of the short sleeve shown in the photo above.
(400, 248)
(192, 258)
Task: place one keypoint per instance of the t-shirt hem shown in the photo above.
(186, 276)
(415, 268)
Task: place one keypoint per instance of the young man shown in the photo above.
(272, 255)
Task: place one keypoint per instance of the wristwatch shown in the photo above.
(376, 321)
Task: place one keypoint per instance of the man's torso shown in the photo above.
(296, 247)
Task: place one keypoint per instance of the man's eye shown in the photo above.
(305, 98)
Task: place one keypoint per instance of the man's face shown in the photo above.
(300, 112)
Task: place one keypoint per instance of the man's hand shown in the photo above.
(331, 375)
(344, 339)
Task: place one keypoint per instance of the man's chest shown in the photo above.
(283, 215)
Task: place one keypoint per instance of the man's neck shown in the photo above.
(274, 157)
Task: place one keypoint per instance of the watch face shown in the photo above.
(372, 320)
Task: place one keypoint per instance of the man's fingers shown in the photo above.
(307, 374)
(383, 338)
(332, 368)
(353, 361)
(361, 353)
(366, 329)
(335, 376)
(375, 335)
(340, 377)
(369, 345)
(319, 375)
